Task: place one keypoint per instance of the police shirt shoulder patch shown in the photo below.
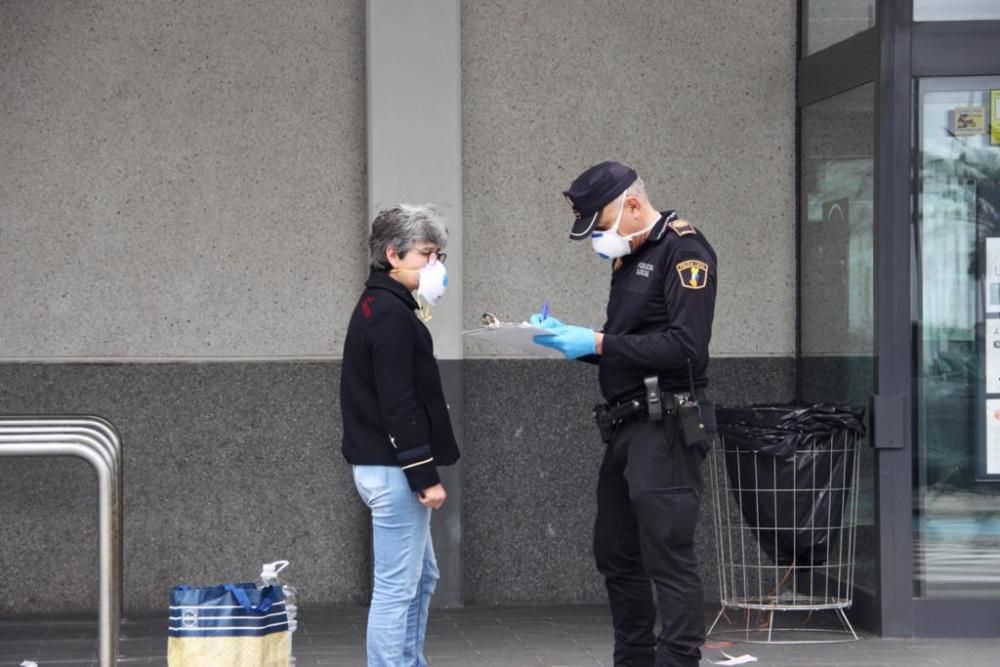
(693, 273)
(681, 227)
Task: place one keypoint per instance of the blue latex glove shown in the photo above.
(572, 341)
(548, 323)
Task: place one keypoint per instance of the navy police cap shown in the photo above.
(593, 190)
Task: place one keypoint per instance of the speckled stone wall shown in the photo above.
(699, 98)
(185, 182)
(180, 179)
(531, 461)
(230, 465)
(227, 466)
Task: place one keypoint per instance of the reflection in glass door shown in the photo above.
(957, 335)
(836, 348)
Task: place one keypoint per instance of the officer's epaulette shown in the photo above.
(681, 227)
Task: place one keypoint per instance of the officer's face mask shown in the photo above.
(609, 244)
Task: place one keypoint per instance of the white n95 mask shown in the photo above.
(609, 244)
(433, 282)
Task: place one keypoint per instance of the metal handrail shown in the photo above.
(105, 433)
(88, 440)
(111, 456)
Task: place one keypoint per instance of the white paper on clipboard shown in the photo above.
(517, 336)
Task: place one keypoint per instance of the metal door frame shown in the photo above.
(934, 49)
(837, 69)
(895, 54)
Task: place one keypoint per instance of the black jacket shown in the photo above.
(393, 406)
(660, 312)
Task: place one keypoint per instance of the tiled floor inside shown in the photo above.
(565, 636)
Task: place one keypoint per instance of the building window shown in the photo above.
(826, 22)
(956, 10)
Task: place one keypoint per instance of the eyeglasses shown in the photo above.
(441, 256)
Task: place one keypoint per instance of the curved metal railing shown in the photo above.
(98, 443)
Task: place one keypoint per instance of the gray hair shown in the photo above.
(402, 227)
(637, 188)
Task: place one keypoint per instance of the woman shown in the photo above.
(396, 424)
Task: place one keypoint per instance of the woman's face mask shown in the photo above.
(433, 282)
(608, 243)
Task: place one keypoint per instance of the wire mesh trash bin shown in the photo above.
(785, 506)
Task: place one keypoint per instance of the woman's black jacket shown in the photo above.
(394, 409)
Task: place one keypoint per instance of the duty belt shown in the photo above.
(623, 412)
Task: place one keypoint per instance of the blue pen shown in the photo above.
(545, 310)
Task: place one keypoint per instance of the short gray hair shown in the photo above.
(402, 227)
(637, 188)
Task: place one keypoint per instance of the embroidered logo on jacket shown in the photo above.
(366, 306)
(693, 273)
(644, 269)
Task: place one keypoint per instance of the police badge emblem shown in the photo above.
(693, 273)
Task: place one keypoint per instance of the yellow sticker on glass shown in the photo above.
(995, 117)
(969, 121)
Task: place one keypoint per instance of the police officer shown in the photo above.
(659, 323)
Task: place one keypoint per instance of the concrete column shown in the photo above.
(415, 156)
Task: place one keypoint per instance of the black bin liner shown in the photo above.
(790, 477)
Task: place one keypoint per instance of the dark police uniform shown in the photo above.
(659, 322)
(394, 409)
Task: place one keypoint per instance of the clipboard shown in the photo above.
(517, 336)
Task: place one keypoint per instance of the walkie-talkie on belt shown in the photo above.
(696, 419)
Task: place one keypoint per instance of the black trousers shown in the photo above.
(648, 496)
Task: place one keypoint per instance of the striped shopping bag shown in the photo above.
(232, 625)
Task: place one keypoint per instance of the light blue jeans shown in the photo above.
(406, 571)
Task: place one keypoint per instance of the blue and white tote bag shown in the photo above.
(232, 625)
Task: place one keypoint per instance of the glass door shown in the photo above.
(931, 358)
(956, 521)
(836, 279)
